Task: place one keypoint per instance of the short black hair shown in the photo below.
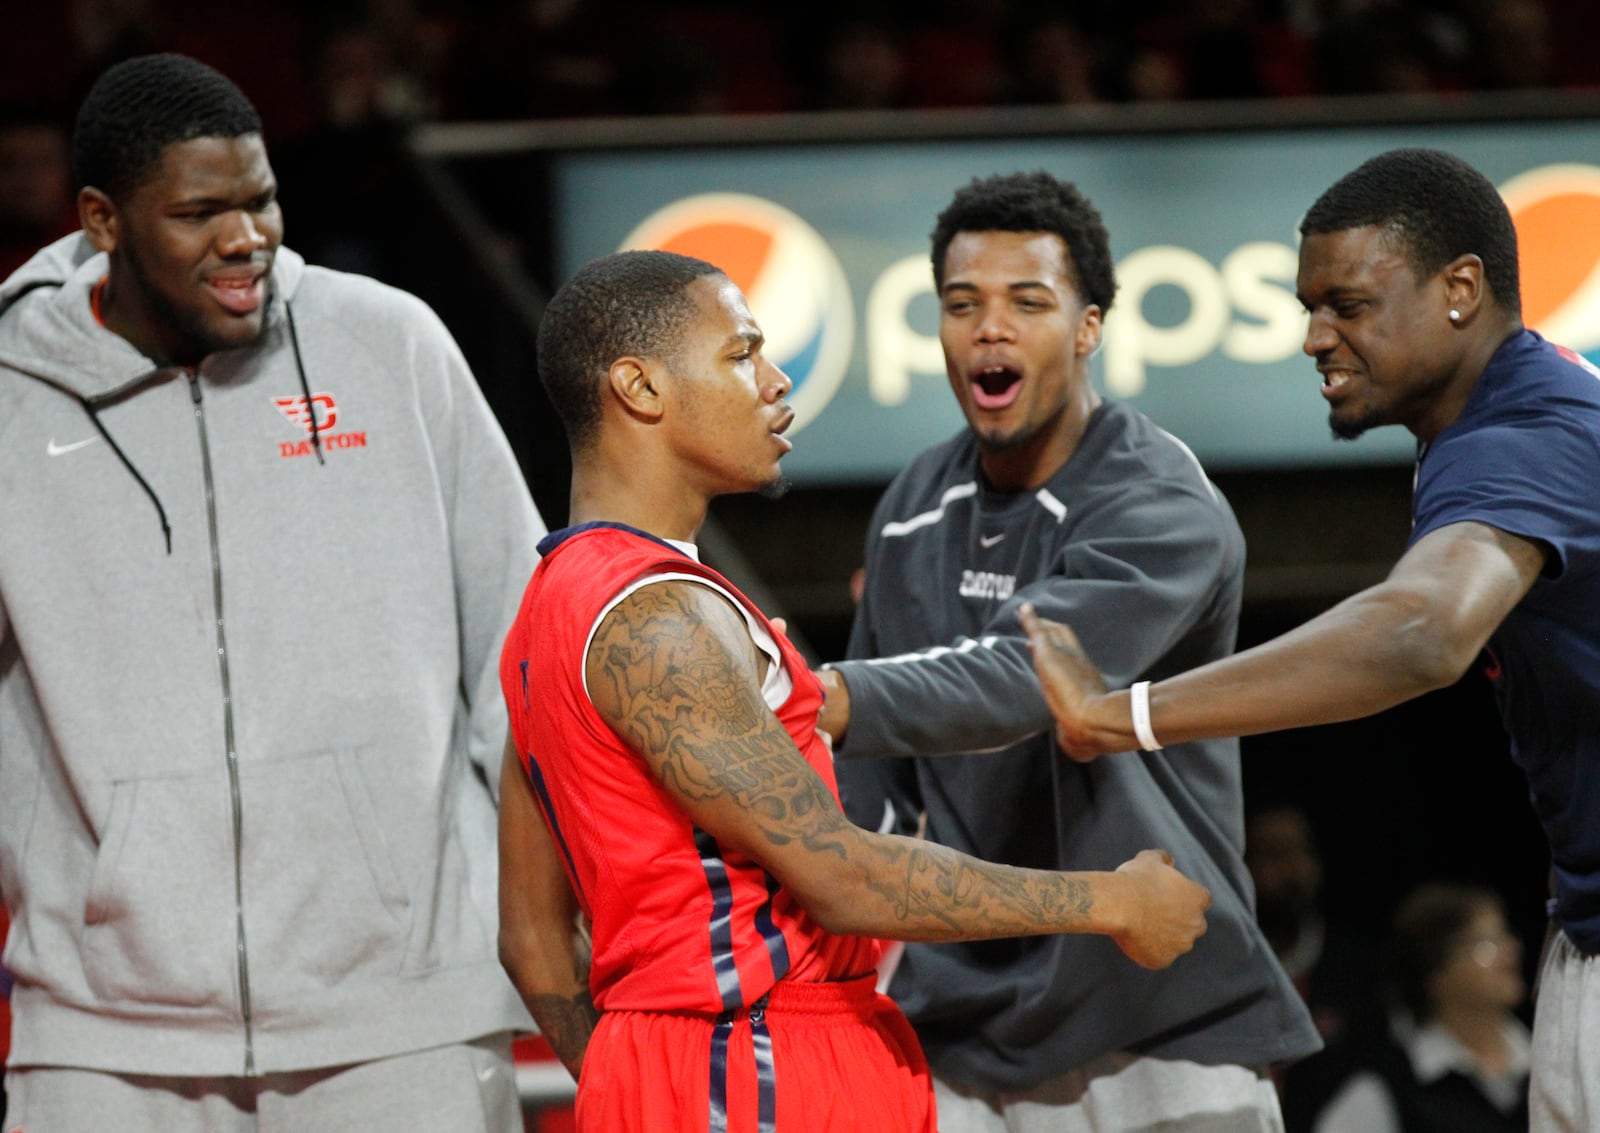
(624, 303)
(1033, 202)
(1436, 206)
(139, 107)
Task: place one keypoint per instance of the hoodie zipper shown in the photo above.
(240, 948)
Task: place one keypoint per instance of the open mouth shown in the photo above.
(239, 295)
(995, 387)
(1333, 381)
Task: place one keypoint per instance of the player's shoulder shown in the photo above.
(1126, 456)
(1126, 440)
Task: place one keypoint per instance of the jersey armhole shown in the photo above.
(778, 684)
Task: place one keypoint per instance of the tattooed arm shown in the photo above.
(672, 668)
(541, 947)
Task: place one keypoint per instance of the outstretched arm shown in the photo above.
(673, 670)
(541, 946)
(1416, 631)
(1136, 577)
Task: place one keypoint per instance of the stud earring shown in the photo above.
(1455, 315)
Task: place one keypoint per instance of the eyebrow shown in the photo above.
(205, 200)
(748, 337)
(1328, 295)
(1019, 285)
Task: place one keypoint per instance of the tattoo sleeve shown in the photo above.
(566, 1024)
(673, 670)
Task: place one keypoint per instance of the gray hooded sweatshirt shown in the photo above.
(249, 702)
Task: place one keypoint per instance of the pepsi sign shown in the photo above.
(1556, 209)
(830, 244)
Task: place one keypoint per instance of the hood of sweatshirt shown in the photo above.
(48, 329)
(48, 332)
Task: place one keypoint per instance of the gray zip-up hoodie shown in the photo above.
(249, 703)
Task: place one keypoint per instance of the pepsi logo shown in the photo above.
(1556, 209)
(791, 278)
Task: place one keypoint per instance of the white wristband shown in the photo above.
(1139, 704)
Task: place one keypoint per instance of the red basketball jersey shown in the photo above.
(679, 922)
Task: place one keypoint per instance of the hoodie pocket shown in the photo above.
(322, 900)
(324, 903)
(158, 921)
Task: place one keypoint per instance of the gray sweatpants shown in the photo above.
(1120, 1093)
(466, 1087)
(1565, 1091)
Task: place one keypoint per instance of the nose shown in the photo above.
(993, 325)
(777, 384)
(1320, 337)
(240, 234)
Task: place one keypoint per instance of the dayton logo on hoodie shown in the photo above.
(299, 412)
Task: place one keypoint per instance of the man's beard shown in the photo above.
(1358, 419)
(1024, 435)
(1404, 409)
(775, 488)
(1350, 430)
(191, 335)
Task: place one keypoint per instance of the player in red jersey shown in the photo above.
(666, 794)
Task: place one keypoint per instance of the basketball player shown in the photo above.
(1081, 505)
(665, 785)
(1408, 268)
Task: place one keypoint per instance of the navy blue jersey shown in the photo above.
(1524, 457)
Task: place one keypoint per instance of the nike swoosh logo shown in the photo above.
(54, 449)
(987, 541)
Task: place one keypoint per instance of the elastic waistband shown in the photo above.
(854, 996)
(836, 997)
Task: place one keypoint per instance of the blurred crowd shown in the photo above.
(322, 73)
(350, 60)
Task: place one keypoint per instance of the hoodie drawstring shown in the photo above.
(305, 386)
(166, 528)
(161, 512)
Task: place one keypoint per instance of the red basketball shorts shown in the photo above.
(817, 1058)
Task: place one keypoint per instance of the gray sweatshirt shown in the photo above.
(246, 822)
(1131, 545)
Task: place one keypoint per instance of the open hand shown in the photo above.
(1069, 680)
(1169, 911)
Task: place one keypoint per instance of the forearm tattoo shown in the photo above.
(680, 694)
(566, 1022)
(964, 894)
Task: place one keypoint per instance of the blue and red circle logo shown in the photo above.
(1556, 209)
(791, 278)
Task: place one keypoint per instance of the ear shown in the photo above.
(636, 384)
(1465, 287)
(1088, 337)
(99, 217)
